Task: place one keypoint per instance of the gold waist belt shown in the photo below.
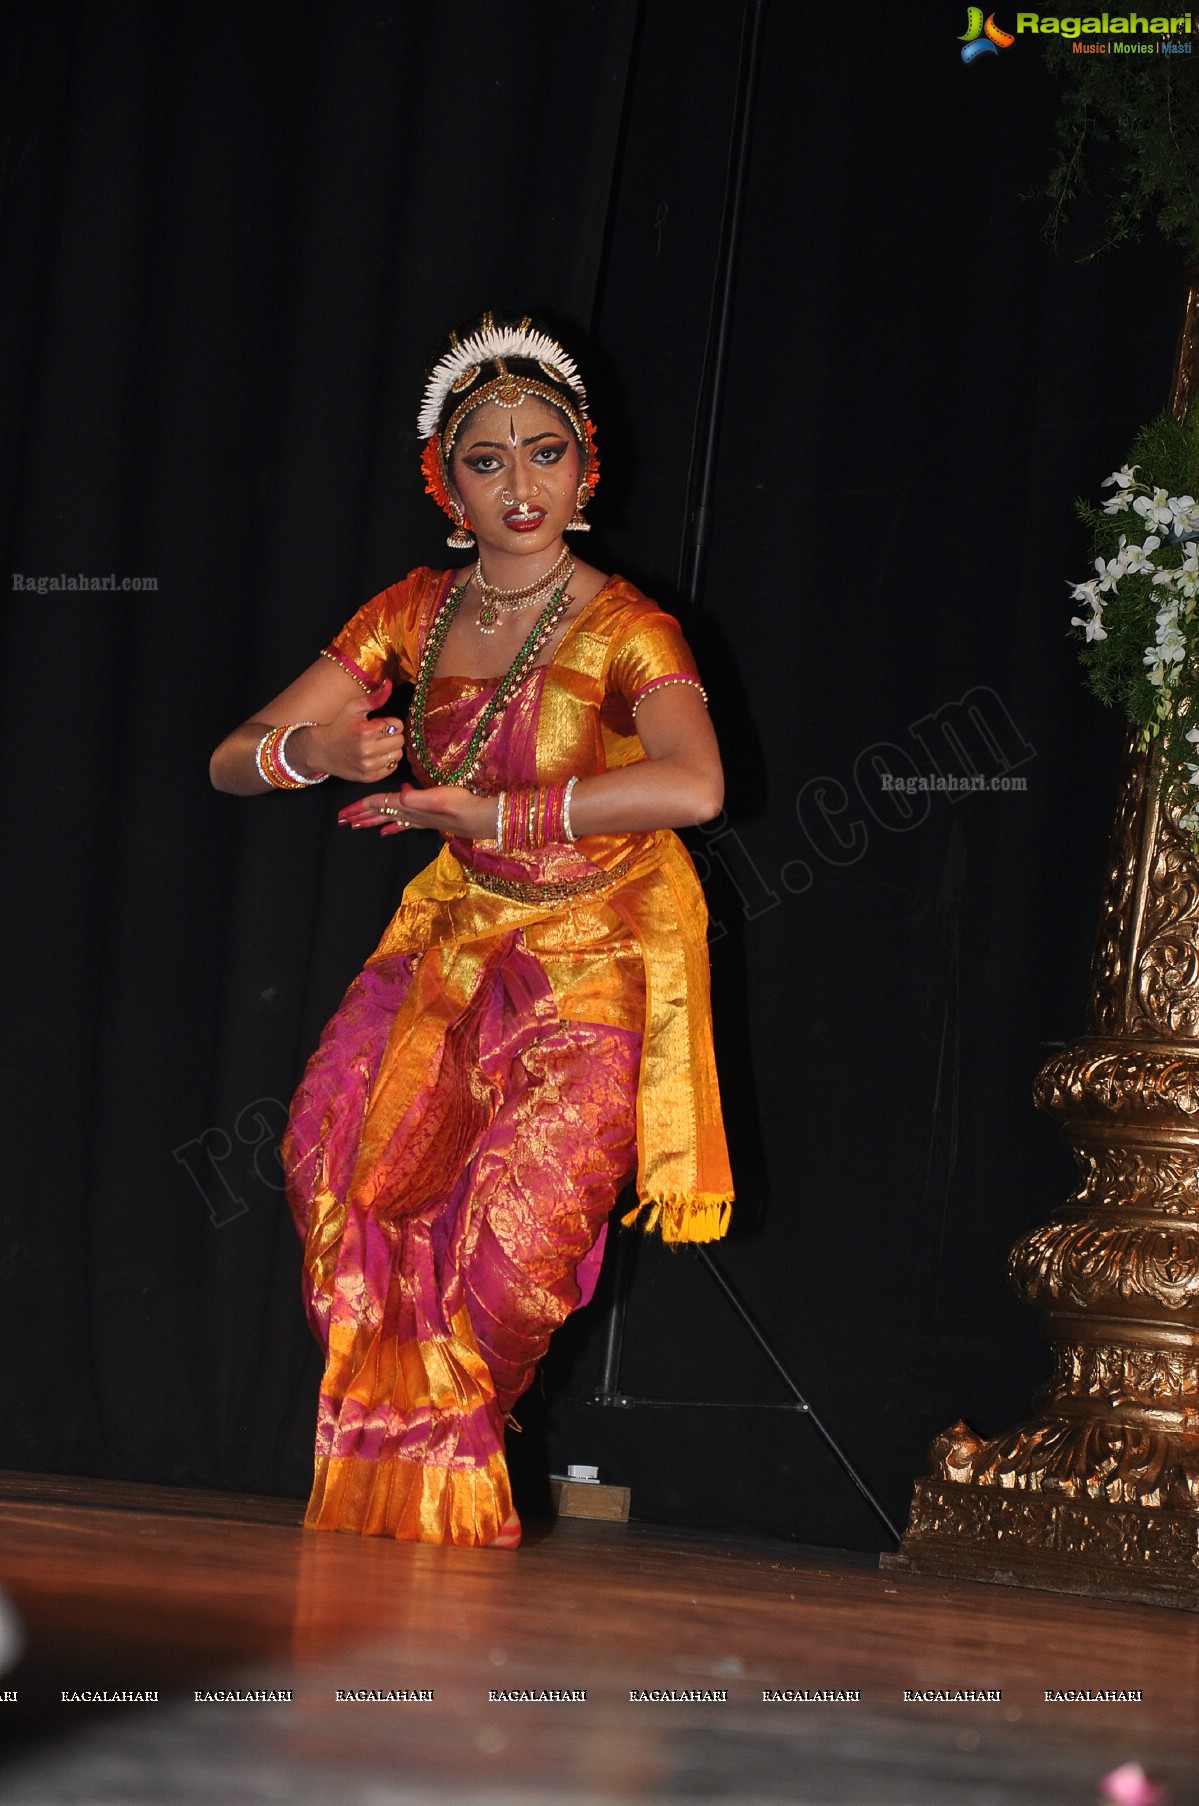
(524, 891)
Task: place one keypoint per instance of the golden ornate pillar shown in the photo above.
(1098, 1492)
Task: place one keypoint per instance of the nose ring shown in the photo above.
(509, 500)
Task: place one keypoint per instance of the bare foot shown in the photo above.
(509, 1535)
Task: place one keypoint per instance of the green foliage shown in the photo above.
(1165, 455)
(1147, 110)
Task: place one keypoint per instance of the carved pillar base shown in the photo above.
(1098, 1492)
(1133, 1552)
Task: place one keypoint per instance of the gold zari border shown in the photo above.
(518, 890)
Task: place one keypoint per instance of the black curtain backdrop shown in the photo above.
(231, 238)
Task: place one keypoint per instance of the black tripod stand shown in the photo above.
(610, 1392)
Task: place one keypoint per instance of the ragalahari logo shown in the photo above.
(983, 37)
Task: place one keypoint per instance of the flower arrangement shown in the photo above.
(1141, 636)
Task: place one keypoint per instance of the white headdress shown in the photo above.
(460, 367)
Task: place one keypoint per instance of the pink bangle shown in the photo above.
(528, 819)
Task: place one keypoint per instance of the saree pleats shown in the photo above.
(435, 1287)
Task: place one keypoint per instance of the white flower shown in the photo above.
(1186, 577)
(1193, 735)
(1155, 508)
(1138, 558)
(1086, 592)
(1168, 649)
(1126, 482)
(1110, 570)
(1170, 643)
(1093, 628)
(1186, 525)
(1193, 775)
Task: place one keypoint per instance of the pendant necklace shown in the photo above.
(542, 632)
(497, 602)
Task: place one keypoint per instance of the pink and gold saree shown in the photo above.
(528, 1030)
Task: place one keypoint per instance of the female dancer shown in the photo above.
(535, 1020)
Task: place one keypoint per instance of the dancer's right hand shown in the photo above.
(354, 744)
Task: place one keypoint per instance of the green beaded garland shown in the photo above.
(519, 669)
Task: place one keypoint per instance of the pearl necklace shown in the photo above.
(497, 602)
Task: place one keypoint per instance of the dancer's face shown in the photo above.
(517, 473)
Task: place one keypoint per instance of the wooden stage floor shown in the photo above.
(136, 1589)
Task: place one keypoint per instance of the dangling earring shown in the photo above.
(461, 538)
(578, 524)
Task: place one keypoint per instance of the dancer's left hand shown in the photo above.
(449, 808)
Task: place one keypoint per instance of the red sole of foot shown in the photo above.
(509, 1536)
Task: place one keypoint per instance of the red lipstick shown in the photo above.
(524, 520)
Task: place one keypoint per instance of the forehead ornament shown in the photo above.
(508, 392)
